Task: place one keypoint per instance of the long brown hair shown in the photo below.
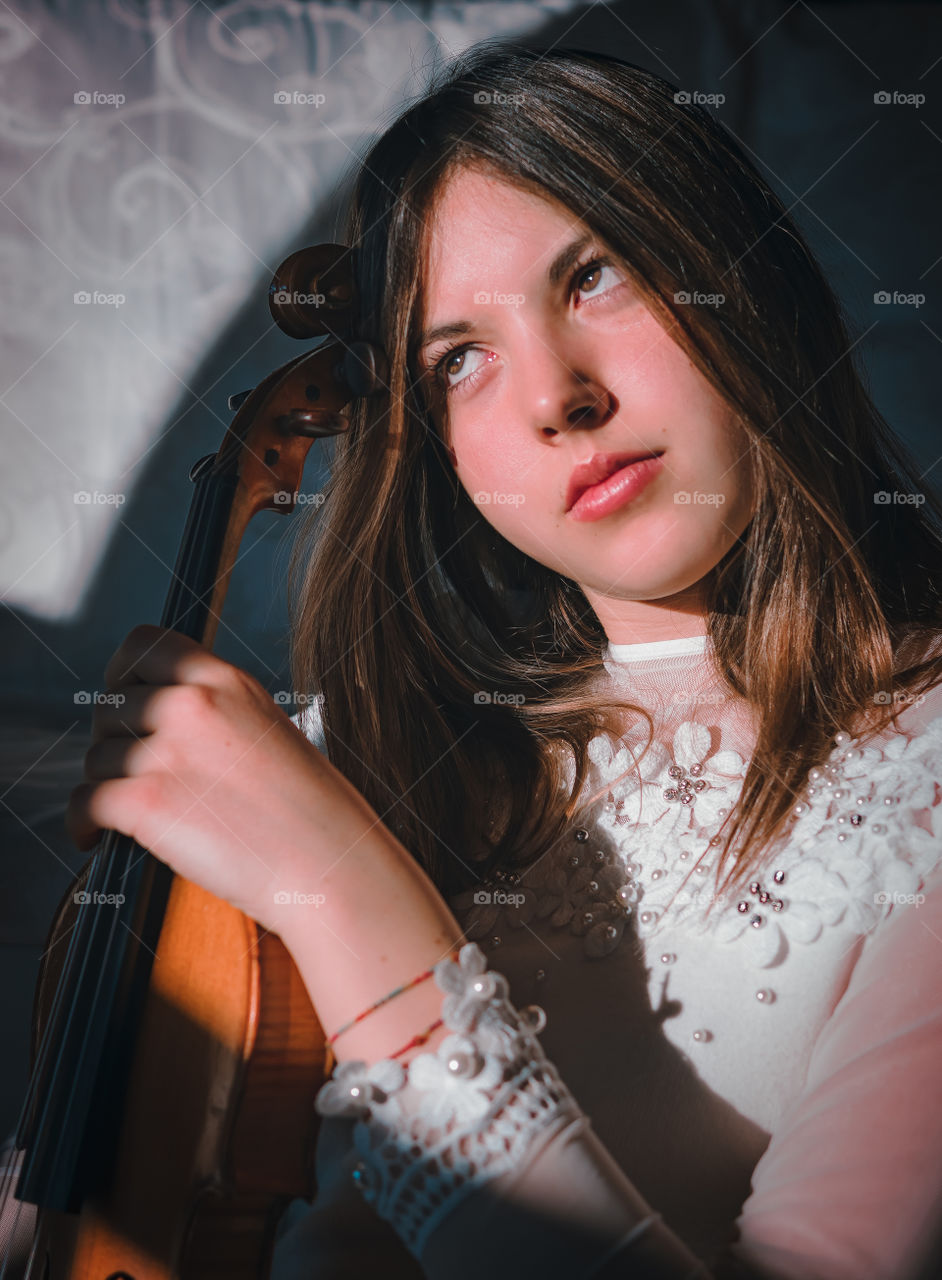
(455, 671)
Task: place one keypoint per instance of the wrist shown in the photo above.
(361, 929)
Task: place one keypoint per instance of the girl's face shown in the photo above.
(554, 364)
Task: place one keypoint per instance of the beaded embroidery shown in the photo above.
(609, 874)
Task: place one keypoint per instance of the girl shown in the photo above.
(616, 797)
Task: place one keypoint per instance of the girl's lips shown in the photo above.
(620, 488)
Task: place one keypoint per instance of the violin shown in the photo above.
(174, 1053)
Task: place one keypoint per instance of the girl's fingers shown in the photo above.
(132, 711)
(122, 758)
(157, 655)
(95, 807)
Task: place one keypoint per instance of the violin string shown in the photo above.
(104, 860)
(37, 1074)
(174, 615)
(85, 923)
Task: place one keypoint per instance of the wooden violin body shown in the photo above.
(218, 1125)
(175, 1052)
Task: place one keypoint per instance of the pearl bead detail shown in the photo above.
(702, 1036)
(765, 996)
(534, 1017)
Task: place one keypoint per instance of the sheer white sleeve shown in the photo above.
(850, 1186)
(486, 1123)
(482, 1161)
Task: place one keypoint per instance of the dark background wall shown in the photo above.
(183, 198)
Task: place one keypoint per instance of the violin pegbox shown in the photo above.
(311, 293)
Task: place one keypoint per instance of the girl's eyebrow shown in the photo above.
(558, 268)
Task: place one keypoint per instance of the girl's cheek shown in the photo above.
(453, 457)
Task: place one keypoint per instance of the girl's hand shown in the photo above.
(193, 759)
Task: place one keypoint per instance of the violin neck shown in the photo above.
(75, 1091)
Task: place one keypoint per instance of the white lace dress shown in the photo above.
(767, 1073)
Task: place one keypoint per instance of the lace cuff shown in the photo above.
(432, 1132)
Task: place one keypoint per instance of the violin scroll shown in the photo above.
(311, 293)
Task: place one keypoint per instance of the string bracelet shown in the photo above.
(419, 1039)
(398, 991)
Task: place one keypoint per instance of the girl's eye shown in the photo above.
(440, 369)
(593, 269)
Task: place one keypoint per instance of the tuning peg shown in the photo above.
(312, 422)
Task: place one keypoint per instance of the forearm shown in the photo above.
(380, 923)
(377, 923)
